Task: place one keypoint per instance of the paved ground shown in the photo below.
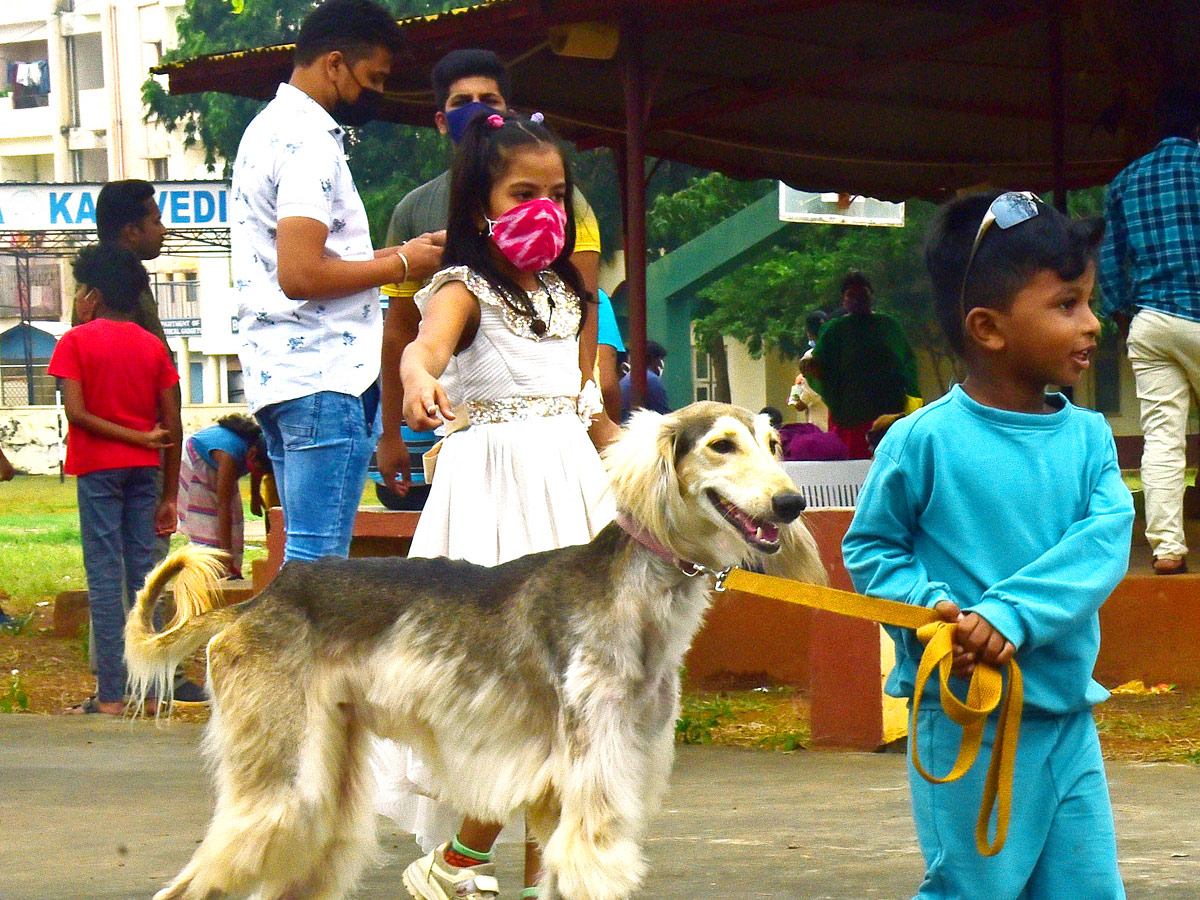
(97, 809)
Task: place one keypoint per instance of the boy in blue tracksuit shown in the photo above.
(1003, 507)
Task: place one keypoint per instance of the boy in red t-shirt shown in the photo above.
(117, 385)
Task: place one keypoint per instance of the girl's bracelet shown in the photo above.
(403, 259)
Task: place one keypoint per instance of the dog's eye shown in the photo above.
(723, 445)
(774, 445)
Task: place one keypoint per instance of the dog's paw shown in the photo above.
(590, 870)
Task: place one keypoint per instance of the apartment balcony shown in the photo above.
(179, 306)
(26, 124)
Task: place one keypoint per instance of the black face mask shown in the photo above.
(361, 111)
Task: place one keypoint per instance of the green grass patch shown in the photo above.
(40, 550)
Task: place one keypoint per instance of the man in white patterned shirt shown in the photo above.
(307, 277)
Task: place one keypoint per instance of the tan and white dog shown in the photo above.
(549, 683)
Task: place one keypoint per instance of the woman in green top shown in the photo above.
(862, 366)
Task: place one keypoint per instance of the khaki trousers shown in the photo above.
(1165, 353)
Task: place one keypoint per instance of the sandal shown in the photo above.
(90, 706)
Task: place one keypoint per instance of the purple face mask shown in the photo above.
(458, 119)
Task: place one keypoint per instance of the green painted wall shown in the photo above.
(673, 282)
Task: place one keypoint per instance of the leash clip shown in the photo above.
(719, 587)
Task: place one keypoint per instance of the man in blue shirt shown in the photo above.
(656, 394)
(1150, 275)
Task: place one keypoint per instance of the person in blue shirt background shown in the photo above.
(210, 501)
(1150, 276)
(609, 348)
(1002, 506)
(656, 393)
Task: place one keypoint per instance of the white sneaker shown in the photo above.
(432, 878)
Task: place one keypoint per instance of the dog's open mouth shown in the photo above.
(761, 535)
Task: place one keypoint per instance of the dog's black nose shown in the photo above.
(788, 505)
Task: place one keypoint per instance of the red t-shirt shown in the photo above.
(122, 368)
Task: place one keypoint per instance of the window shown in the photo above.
(196, 379)
(43, 280)
(702, 375)
(158, 168)
(89, 165)
(234, 382)
(178, 295)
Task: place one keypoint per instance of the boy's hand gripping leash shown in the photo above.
(984, 694)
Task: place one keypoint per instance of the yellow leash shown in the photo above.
(984, 694)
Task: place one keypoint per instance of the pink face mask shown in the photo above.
(532, 235)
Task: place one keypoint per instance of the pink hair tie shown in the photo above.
(537, 118)
(495, 120)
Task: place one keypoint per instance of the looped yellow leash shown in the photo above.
(984, 693)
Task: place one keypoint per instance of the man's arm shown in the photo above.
(610, 383)
(306, 273)
(168, 412)
(400, 327)
(586, 259)
(907, 360)
(227, 490)
(1115, 300)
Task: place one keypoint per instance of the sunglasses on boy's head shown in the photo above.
(1009, 209)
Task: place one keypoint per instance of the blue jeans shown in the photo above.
(116, 527)
(320, 446)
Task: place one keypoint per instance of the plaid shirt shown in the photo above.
(1150, 256)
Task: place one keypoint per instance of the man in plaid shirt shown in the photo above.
(1150, 276)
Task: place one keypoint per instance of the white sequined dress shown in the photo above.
(524, 477)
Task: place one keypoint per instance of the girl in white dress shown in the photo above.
(498, 346)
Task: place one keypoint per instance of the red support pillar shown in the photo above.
(633, 79)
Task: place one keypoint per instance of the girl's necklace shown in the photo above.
(536, 325)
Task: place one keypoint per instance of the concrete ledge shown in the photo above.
(377, 532)
(71, 607)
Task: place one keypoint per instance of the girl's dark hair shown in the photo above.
(243, 426)
(115, 272)
(483, 157)
(1005, 260)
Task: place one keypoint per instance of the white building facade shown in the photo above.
(72, 118)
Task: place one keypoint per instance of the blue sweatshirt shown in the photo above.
(1021, 518)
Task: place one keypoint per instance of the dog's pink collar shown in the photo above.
(640, 534)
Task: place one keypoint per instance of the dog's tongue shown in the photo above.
(763, 531)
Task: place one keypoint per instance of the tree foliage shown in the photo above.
(764, 302)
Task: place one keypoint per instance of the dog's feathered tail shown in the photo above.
(152, 656)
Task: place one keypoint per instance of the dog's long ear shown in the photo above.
(798, 558)
(641, 469)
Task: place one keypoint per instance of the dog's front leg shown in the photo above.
(594, 852)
